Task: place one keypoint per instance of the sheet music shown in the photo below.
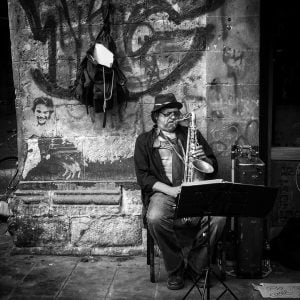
(200, 182)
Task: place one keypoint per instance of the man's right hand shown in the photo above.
(172, 191)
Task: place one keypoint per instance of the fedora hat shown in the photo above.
(164, 101)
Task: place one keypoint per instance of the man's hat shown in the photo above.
(165, 101)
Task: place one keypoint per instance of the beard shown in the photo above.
(170, 126)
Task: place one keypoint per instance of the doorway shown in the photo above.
(280, 106)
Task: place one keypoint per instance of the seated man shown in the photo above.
(159, 164)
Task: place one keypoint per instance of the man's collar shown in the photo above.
(163, 133)
(158, 132)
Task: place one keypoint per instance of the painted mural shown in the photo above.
(47, 154)
(206, 52)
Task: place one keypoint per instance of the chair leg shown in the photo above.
(150, 256)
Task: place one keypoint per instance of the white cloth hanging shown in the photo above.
(103, 56)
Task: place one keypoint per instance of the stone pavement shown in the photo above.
(67, 277)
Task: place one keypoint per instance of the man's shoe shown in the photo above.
(175, 282)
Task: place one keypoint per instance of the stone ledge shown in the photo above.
(81, 251)
(58, 185)
(98, 197)
(105, 197)
(31, 197)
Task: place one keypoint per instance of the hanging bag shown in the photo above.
(100, 83)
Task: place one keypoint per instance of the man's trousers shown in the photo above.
(160, 220)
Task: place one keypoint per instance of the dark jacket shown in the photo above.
(148, 164)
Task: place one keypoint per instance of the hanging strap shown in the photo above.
(111, 89)
(106, 29)
(107, 8)
(178, 162)
(104, 94)
(174, 148)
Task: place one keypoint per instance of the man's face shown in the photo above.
(42, 114)
(166, 119)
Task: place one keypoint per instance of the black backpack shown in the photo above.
(96, 85)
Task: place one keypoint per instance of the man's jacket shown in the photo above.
(148, 164)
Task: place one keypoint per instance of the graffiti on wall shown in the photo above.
(233, 134)
(48, 27)
(173, 28)
(161, 46)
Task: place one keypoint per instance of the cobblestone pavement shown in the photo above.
(99, 277)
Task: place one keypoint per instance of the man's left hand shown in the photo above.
(197, 152)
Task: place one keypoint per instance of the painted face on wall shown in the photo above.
(166, 119)
(42, 114)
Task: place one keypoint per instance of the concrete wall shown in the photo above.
(205, 52)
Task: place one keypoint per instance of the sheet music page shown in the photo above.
(200, 182)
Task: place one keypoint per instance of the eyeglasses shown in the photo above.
(176, 114)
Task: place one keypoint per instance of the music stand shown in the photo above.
(222, 199)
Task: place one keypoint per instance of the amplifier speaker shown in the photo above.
(250, 240)
(250, 231)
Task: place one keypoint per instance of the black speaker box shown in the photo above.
(250, 231)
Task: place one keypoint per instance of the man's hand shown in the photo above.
(172, 191)
(197, 151)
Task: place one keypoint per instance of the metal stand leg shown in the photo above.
(208, 272)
